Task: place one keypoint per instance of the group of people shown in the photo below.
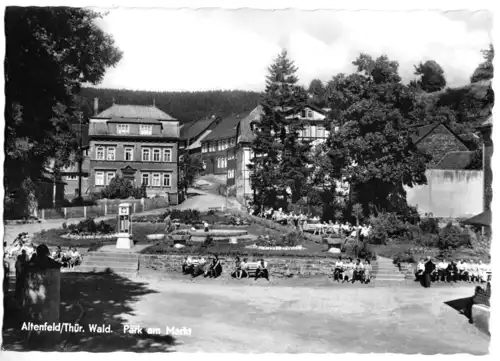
(200, 266)
(69, 258)
(349, 271)
(306, 222)
(429, 271)
(212, 268)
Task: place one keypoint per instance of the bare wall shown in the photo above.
(449, 193)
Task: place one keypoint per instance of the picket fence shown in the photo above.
(102, 208)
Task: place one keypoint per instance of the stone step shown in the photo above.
(113, 255)
(390, 275)
(96, 258)
(131, 266)
(388, 279)
(91, 268)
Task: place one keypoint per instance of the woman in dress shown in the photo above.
(215, 268)
(348, 270)
(339, 268)
(368, 271)
(237, 268)
(430, 268)
(473, 271)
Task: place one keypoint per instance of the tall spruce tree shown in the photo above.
(281, 165)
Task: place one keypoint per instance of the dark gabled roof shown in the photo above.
(455, 161)
(84, 134)
(225, 129)
(422, 131)
(195, 129)
(134, 111)
(245, 133)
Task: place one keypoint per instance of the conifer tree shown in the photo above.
(280, 166)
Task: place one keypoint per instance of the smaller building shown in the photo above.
(437, 139)
(215, 146)
(193, 133)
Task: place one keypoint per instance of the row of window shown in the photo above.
(221, 162)
(144, 129)
(148, 154)
(149, 179)
(230, 173)
(314, 131)
(218, 145)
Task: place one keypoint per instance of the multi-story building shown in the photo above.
(314, 130)
(138, 142)
(215, 147)
(193, 133)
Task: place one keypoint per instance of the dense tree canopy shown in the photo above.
(485, 70)
(185, 106)
(317, 91)
(50, 53)
(431, 76)
(373, 147)
(281, 165)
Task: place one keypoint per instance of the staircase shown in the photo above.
(124, 264)
(386, 272)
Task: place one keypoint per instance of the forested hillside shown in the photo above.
(185, 106)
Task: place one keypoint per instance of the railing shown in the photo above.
(103, 209)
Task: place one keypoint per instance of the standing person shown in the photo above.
(420, 270)
(368, 271)
(168, 224)
(205, 226)
(429, 268)
(262, 270)
(20, 272)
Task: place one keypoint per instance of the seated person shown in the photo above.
(262, 270)
(441, 270)
(463, 274)
(473, 271)
(215, 268)
(75, 258)
(236, 273)
(199, 267)
(348, 270)
(57, 254)
(420, 269)
(359, 271)
(244, 268)
(338, 270)
(452, 272)
(368, 271)
(482, 272)
(187, 265)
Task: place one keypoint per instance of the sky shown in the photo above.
(209, 49)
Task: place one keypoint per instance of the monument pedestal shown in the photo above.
(124, 241)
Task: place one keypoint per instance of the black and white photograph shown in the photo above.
(246, 180)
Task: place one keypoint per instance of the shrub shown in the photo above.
(404, 257)
(386, 226)
(266, 241)
(208, 242)
(121, 188)
(452, 237)
(292, 239)
(429, 225)
(428, 240)
(89, 226)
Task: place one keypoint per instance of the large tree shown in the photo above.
(431, 76)
(280, 166)
(373, 145)
(317, 92)
(50, 53)
(190, 165)
(484, 71)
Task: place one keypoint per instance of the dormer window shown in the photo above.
(145, 129)
(123, 129)
(303, 114)
(309, 114)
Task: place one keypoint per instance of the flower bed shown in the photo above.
(276, 248)
(89, 236)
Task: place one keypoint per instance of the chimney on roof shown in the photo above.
(96, 106)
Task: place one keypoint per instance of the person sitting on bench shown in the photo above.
(215, 268)
(452, 272)
(57, 254)
(75, 258)
(473, 271)
(237, 268)
(359, 271)
(187, 265)
(337, 272)
(199, 268)
(441, 268)
(262, 270)
(348, 270)
(463, 274)
(244, 268)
